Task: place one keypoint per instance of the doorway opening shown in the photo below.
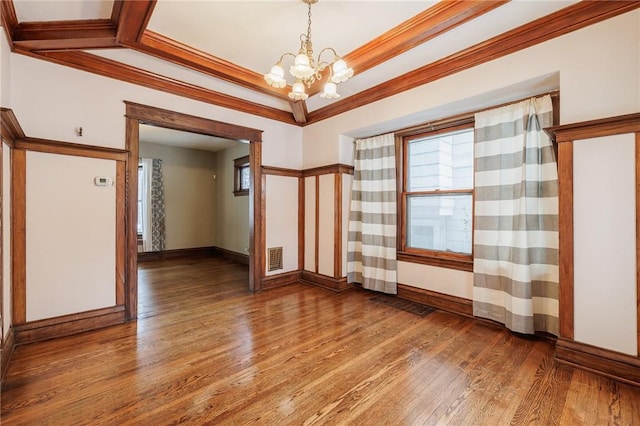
(137, 114)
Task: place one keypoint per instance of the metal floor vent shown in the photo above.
(275, 258)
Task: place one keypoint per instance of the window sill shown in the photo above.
(439, 261)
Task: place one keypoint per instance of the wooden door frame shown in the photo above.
(137, 114)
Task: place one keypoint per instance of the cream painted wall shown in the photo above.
(5, 72)
(310, 198)
(604, 202)
(326, 225)
(595, 68)
(282, 190)
(50, 101)
(6, 238)
(70, 225)
(189, 187)
(232, 213)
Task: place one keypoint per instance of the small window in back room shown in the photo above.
(242, 176)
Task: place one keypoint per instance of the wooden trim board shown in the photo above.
(65, 325)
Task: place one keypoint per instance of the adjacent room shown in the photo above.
(320, 212)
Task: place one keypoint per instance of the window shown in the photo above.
(437, 196)
(241, 176)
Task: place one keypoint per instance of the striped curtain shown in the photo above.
(371, 247)
(158, 236)
(152, 187)
(516, 218)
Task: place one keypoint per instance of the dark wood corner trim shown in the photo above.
(620, 124)
(18, 236)
(445, 302)
(66, 148)
(565, 236)
(11, 130)
(8, 345)
(280, 171)
(66, 325)
(638, 237)
(329, 169)
(190, 123)
(324, 281)
(441, 262)
(279, 280)
(617, 366)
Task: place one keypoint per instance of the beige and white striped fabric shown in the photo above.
(516, 218)
(371, 244)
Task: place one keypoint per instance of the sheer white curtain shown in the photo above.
(516, 218)
(145, 188)
(371, 247)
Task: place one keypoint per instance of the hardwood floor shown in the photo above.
(206, 351)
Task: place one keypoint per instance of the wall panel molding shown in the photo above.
(279, 280)
(324, 281)
(8, 346)
(445, 302)
(66, 325)
(614, 365)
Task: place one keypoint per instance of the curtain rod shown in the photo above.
(459, 119)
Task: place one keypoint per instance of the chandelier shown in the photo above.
(306, 70)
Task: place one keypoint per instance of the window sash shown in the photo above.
(406, 252)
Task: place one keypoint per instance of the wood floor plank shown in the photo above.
(207, 351)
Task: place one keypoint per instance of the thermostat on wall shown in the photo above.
(103, 181)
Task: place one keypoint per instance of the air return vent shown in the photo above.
(275, 258)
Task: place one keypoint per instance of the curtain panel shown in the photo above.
(371, 246)
(153, 215)
(516, 218)
(158, 236)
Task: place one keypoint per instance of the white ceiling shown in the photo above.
(254, 34)
(177, 138)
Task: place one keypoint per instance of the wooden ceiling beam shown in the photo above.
(571, 18)
(173, 51)
(9, 19)
(133, 18)
(427, 25)
(59, 35)
(112, 69)
(300, 112)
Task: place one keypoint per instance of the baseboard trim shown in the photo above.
(279, 280)
(176, 253)
(8, 345)
(617, 366)
(231, 255)
(66, 325)
(445, 302)
(330, 283)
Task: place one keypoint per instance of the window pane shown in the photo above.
(245, 182)
(440, 222)
(441, 162)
